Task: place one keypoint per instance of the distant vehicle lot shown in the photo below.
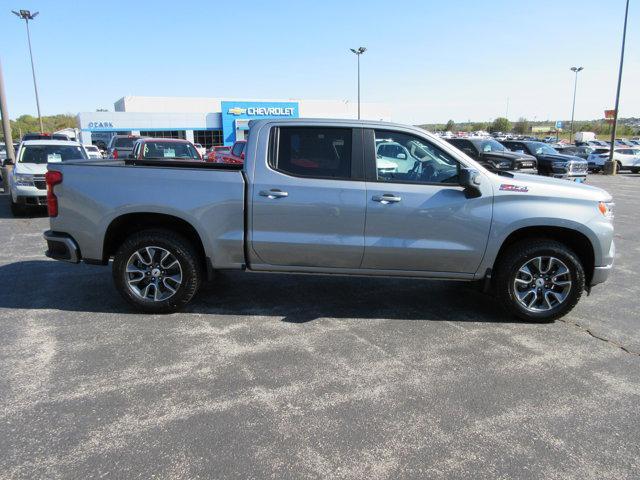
(323, 377)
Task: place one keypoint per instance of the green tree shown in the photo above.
(522, 126)
(450, 126)
(28, 123)
(500, 124)
(479, 126)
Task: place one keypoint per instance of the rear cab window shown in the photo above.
(315, 152)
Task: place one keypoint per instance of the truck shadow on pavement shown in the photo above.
(293, 298)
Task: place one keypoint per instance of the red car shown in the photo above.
(217, 152)
(164, 149)
(236, 155)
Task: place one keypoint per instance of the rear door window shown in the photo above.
(320, 152)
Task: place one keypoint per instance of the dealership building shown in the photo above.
(208, 121)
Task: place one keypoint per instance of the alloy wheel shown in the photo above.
(542, 284)
(153, 273)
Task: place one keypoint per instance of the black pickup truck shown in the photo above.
(494, 156)
(551, 163)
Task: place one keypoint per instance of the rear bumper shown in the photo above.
(61, 246)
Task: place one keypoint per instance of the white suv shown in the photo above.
(627, 158)
(27, 185)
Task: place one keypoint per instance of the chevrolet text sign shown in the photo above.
(263, 111)
(233, 111)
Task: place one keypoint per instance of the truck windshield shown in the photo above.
(492, 146)
(170, 150)
(542, 149)
(124, 142)
(51, 153)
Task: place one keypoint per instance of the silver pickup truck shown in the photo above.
(313, 196)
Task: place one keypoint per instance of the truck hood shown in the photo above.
(30, 168)
(508, 155)
(560, 157)
(523, 184)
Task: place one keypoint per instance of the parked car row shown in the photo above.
(523, 156)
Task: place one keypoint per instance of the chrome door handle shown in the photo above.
(273, 193)
(386, 198)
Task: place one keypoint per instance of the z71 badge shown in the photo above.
(513, 188)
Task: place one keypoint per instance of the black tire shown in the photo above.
(183, 251)
(516, 256)
(17, 210)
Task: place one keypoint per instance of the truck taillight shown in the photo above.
(115, 153)
(52, 178)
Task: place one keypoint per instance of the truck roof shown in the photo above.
(51, 142)
(330, 121)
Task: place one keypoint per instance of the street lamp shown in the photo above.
(575, 86)
(610, 166)
(358, 52)
(26, 15)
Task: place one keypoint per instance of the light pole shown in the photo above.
(358, 52)
(610, 166)
(8, 141)
(26, 15)
(575, 87)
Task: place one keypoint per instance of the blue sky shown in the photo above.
(429, 60)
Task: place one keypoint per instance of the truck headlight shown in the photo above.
(606, 209)
(23, 180)
(502, 164)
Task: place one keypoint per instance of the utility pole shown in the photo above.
(610, 166)
(575, 87)
(26, 15)
(6, 129)
(358, 52)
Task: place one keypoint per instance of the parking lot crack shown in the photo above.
(590, 332)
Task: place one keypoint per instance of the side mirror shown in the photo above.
(401, 156)
(242, 155)
(470, 179)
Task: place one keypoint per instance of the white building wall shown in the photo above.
(308, 108)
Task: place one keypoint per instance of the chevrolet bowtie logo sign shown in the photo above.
(237, 111)
(262, 111)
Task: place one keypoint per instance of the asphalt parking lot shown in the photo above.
(312, 377)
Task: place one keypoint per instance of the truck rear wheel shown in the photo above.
(539, 280)
(157, 271)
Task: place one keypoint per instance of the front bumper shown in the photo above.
(573, 177)
(530, 171)
(61, 246)
(32, 200)
(600, 274)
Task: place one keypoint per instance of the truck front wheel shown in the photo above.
(157, 271)
(539, 280)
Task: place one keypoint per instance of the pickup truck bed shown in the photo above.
(210, 197)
